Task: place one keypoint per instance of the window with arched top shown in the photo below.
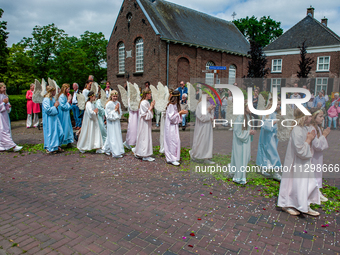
(209, 77)
(139, 55)
(232, 74)
(121, 57)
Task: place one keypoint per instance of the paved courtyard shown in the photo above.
(73, 203)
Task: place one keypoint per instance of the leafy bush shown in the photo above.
(265, 94)
(19, 110)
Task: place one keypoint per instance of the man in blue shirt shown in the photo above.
(320, 99)
(182, 89)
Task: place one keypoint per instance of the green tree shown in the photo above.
(43, 46)
(3, 46)
(20, 71)
(257, 70)
(305, 64)
(262, 31)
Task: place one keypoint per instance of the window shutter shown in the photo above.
(312, 85)
(269, 82)
(330, 86)
(283, 83)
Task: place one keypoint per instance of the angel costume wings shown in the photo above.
(131, 97)
(39, 91)
(161, 96)
(52, 83)
(192, 101)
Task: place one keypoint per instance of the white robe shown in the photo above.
(144, 137)
(172, 143)
(319, 145)
(202, 147)
(161, 132)
(90, 136)
(298, 188)
(114, 140)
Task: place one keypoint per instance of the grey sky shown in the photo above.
(75, 16)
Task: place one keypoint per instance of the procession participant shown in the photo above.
(202, 147)
(90, 137)
(101, 114)
(131, 134)
(107, 89)
(114, 141)
(240, 153)
(143, 147)
(184, 106)
(87, 89)
(267, 154)
(319, 144)
(6, 141)
(172, 142)
(64, 114)
(161, 130)
(32, 108)
(53, 130)
(75, 108)
(298, 187)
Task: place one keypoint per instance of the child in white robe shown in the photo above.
(90, 136)
(241, 148)
(298, 187)
(143, 147)
(172, 142)
(319, 144)
(202, 147)
(114, 141)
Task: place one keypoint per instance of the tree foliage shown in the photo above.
(257, 70)
(262, 31)
(305, 63)
(3, 46)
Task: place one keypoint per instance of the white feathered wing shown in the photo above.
(37, 98)
(192, 101)
(123, 95)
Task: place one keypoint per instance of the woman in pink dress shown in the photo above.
(6, 141)
(32, 108)
(172, 142)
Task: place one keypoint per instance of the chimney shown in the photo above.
(310, 11)
(324, 21)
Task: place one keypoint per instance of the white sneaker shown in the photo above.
(107, 153)
(81, 151)
(207, 161)
(277, 177)
(311, 212)
(148, 159)
(17, 148)
(133, 149)
(99, 151)
(175, 163)
(127, 146)
(291, 211)
(323, 198)
(117, 156)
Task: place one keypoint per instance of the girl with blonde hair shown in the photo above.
(114, 140)
(64, 114)
(319, 144)
(298, 187)
(53, 130)
(143, 147)
(6, 141)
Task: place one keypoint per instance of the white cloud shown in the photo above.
(77, 16)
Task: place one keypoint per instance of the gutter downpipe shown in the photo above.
(167, 64)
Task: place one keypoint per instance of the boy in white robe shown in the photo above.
(143, 147)
(319, 144)
(298, 187)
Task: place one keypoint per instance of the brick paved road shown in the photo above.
(93, 204)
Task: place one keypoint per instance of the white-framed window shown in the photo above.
(275, 83)
(209, 77)
(276, 65)
(139, 55)
(323, 63)
(232, 74)
(121, 58)
(320, 84)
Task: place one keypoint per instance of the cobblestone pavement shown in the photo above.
(94, 204)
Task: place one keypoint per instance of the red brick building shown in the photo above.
(323, 47)
(155, 40)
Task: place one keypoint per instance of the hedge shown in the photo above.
(19, 110)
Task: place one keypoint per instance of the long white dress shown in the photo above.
(319, 144)
(240, 153)
(172, 143)
(161, 132)
(101, 114)
(114, 140)
(144, 138)
(202, 147)
(298, 188)
(90, 136)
